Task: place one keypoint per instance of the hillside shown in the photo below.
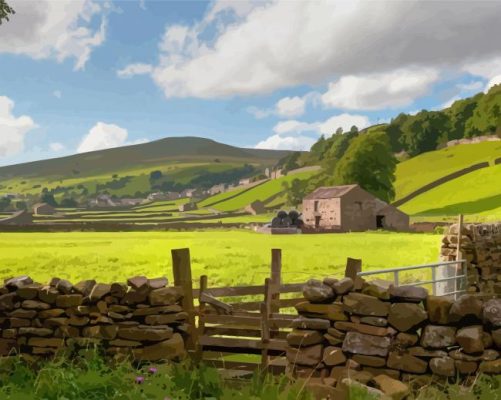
(125, 171)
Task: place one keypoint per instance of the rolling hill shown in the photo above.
(125, 171)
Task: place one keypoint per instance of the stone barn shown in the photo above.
(43, 209)
(350, 208)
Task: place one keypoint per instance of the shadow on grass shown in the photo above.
(468, 207)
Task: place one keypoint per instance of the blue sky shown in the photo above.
(95, 74)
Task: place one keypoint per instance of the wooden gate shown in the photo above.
(236, 325)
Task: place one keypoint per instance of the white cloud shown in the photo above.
(291, 106)
(449, 102)
(345, 121)
(55, 29)
(57, 147)
(103, 136)
(13, 129)
(142, 4)
(278, 142)
(496, 80)
(294, 126)
(57, 93)
(134, 69)
(106, 136)
(473, 86)
(259, 113)
(378, 91)
(279, 44)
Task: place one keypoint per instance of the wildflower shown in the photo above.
(153, 370)
(139, 379)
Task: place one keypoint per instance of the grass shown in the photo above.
(477, 193)
(233, 257)
(261, 192)
(425, 168)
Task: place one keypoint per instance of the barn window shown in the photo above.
(315, 206)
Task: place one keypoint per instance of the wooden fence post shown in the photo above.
(201, 318)
(181, 266)
(353, 267)
(265, 324)
(276, 279)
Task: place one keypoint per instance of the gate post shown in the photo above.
(181, 267)
(276, 279)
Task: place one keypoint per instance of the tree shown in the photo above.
(4, 203)
(369, 162)
(486, 118)
(296, 192)
(68, 203)
(5, 11)
(48, 197)
(155, 175)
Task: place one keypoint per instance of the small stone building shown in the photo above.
(43, 209)
(188, 207)
(350, 208)
(255, 208)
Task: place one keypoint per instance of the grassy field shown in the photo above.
(425, 168)
(476, 194)
(227, 257)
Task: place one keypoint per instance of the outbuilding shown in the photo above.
(43, 209)
(350, 208)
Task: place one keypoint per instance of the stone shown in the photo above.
(373, 393)
(438, 308)
(443, 366)
(125, 343)
(392, 388)
(378, 288)
(9, 333)
(165, 296)
(66, 332)
(311, 323)
(359, 343)
(438, 337)
(28, 292)
(69, 300)
(140, 334)
(157, 283)
(332, 312)
(466, 306)
(407, 363)
(92, 332)
(7, 301)
(425, 353)
(408, 294)
(75, 320)
(18, 322)
(333, 356)
(18, 282)
(406, 316)
(46, 342)
(466, 367)
(35, 305)
(370, 361)
(330, 280)
(53, 282)
(64, 286)
(35, 331)
(48, 294)
(170, 349)
(166, 319)
(487, 355)
(22, 313)
(321, 391)
(316, 291)
(118, 290)
(406, 339)
(309, 356)
(84, 287)
(470, 339)
(99, 291)
(55, 322)
(102, 307)
(116, 308)
(52, 313)
(108, 332)
(157, 310)
(361, 328)
(487, 340)
(375, 321)
(137, 282)
(118, 317)
(361, 304)
(343, 286)
(492, 312)
(496, 337)
(304, 338)
(333, 341)
(8, 347)
(490, 367)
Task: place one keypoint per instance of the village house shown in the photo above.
(187, 207)
(244, 181)
(350, 208)
(102, 200)
(163, 196)
(43, 209)
(217, 189)
(129, 202)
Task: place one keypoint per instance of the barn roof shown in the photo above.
(330, 192)
(41, 205)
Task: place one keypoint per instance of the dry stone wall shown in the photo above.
(143, 319)
(481, 247)
(372, 333)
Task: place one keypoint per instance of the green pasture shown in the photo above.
(233, 257)
(428, 167)
(477, 195)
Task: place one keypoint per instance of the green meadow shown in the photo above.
(232, 257)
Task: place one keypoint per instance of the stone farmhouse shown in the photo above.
(350, 208)
(43, 209)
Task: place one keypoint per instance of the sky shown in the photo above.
(84, 75)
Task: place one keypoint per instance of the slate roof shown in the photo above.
(330, 192)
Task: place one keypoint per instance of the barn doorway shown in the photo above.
(379, 221)
(317, 221)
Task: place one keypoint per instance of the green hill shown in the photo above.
(416, 172)
(179, 162)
